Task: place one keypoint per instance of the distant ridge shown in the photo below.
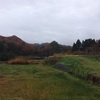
(16, 42)
(11, 39)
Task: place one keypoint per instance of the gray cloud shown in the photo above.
(46, 20)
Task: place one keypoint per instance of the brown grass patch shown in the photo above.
(19, 60)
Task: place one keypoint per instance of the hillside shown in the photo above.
(13, 46)
(11, 39)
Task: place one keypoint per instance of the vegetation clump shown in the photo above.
(19, 60)
(51, 60)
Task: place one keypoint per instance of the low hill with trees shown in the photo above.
(13, 46)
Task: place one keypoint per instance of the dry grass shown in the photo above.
(19, 60)
(24, 61)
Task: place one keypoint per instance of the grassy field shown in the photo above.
(39, 82)
(82, 65)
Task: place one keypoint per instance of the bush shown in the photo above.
(51, 60)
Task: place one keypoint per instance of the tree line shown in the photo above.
(87, 46)
(12, 50)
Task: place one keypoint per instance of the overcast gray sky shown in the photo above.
(38, 21)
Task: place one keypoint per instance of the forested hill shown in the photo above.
(13, 46)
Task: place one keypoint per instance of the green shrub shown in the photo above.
(51, 60)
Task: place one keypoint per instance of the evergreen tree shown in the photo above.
(78, 44)
(74, 47)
